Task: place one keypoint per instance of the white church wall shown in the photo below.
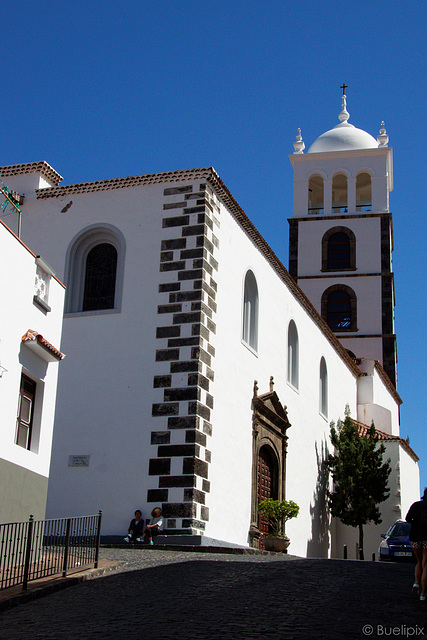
(381, 417)
(409, 480)
(375, 402)
(236, 368)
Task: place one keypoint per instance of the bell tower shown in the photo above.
(341, 236)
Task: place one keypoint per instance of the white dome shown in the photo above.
(343, 137)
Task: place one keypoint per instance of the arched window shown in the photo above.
(100, 278)
(315, 194)
(323, 388)
(250, 311)
(338, 249)
(339, 193)
(363, 192)
(94, 270)
(293, 355)
(339, 308)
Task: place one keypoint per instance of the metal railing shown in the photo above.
(41, 548)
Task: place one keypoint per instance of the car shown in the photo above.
(396, 546)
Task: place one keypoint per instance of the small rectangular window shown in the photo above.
(25, 416)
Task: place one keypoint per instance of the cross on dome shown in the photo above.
(343, 136)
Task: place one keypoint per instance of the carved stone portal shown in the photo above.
(269, 443)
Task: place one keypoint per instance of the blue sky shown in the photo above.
(103, 89)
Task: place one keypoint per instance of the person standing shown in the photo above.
(417, 516)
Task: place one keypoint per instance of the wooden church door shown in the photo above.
(267, 483)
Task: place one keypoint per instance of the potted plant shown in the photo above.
(277, 512)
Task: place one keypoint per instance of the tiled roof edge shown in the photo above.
(32, 167)
(122, 183)
(363, 430)
(32, 336)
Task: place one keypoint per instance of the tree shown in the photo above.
(359, 475)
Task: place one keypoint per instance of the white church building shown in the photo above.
(201, 375)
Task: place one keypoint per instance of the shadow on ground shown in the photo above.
(303, 599)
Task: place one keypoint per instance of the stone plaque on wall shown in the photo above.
(78, 461)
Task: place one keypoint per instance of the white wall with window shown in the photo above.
(30, 337)
(286, 335)
(94, 270)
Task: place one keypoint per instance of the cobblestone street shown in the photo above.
(177, 595)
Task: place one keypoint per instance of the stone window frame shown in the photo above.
(75, 266)
(352, 248)
(353, 306)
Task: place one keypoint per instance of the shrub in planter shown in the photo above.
(277, 512)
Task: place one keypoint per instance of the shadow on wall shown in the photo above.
(318, 546)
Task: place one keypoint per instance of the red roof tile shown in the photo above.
(364, 429)
(33, 336)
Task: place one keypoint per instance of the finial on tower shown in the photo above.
(383, 137)
(299, 145)
(344, 114)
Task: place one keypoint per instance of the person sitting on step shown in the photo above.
(136, 528)
(154, 526)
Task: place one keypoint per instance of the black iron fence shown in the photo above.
(40, 548)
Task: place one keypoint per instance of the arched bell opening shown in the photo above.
(339, 193)
(363, 192)
(315, 194)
